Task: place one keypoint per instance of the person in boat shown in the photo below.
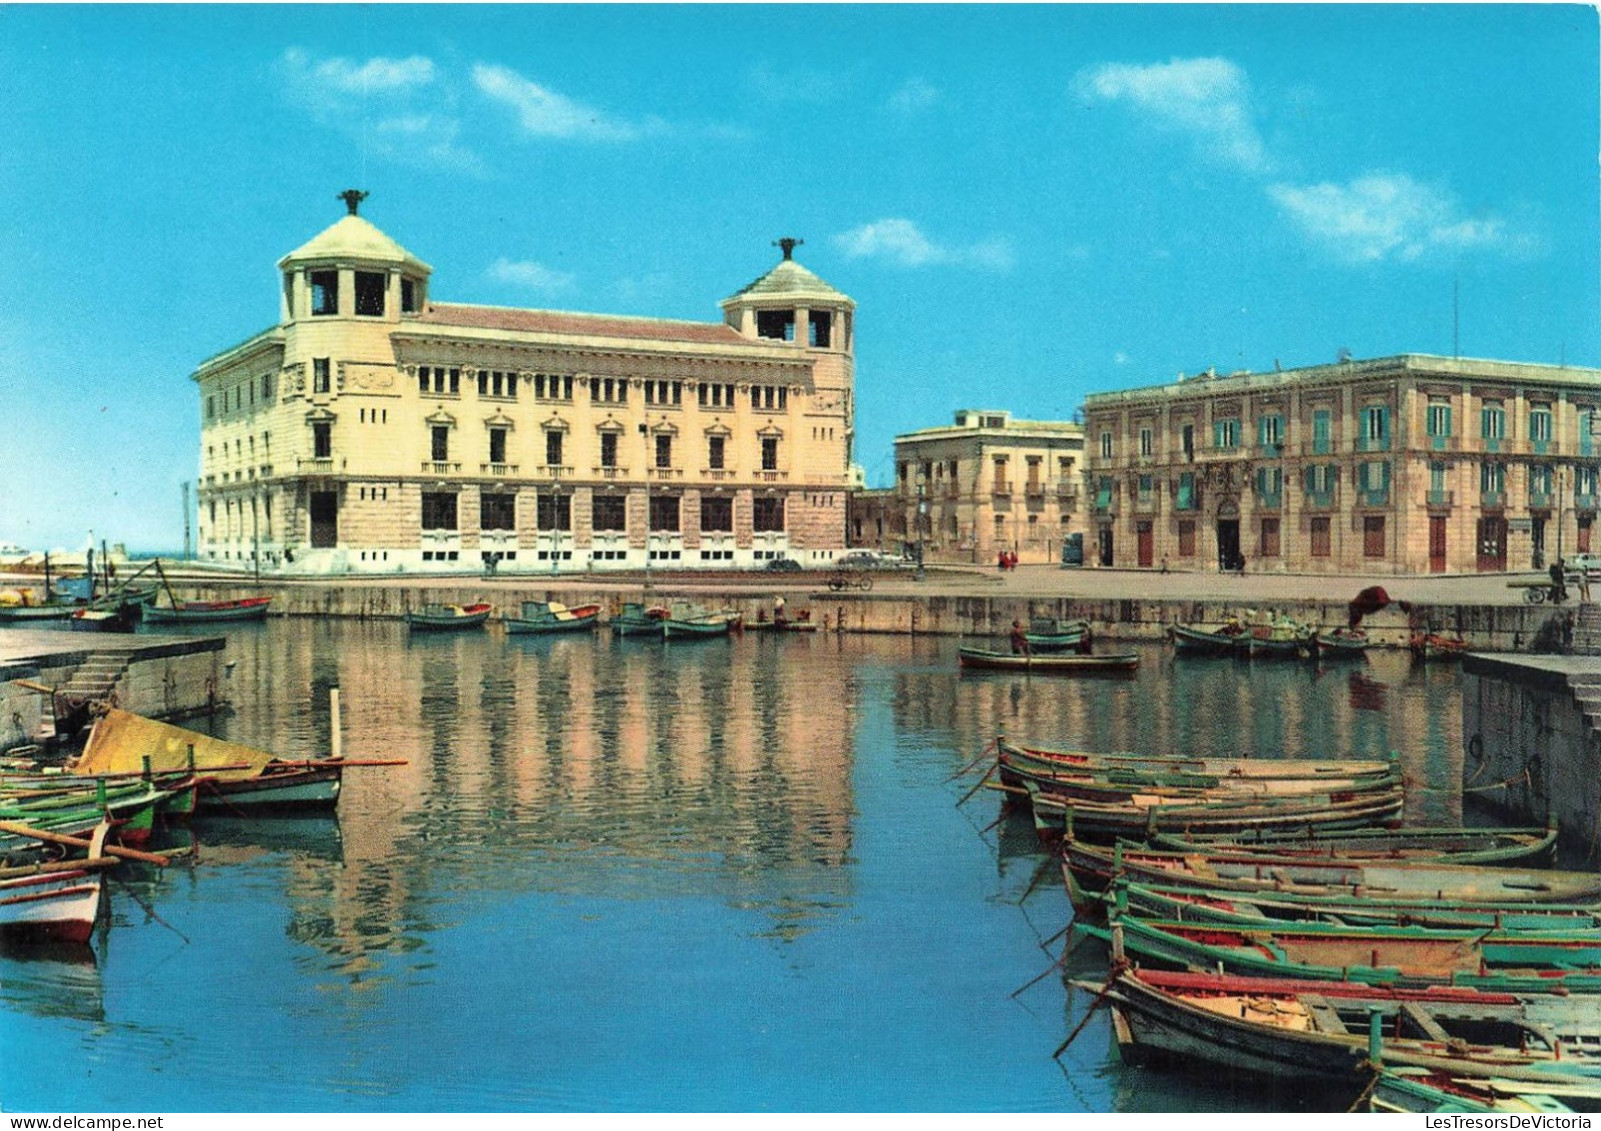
(778, 611)
(1019, 639)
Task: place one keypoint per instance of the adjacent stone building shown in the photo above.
(1405, 464)
(986, 483)
(377, 429)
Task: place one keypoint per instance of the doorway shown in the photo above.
(1145, 544)
(1492, 545)
(324, 519)
(1228, 543)
(1106, 546)
(1437, 543)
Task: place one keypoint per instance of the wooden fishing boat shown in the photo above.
(1144, 814)
(800, 622)
(445, 618)
(208, 612)
(38, 614)
(1155, 900)
(90, 619)
(57, 905)
(1525, 846)
(1089, 868)
(1335, 1032)
(1271, 637)
(1341, 643)
(637, 619)
(131, 805)
(1227, 640)
(1434, 646)
(692, 622)
(1384, 955)
(549, 616)
(1047, 634)
(1061, 663)
(1048, 757)
(230, 776)
(1098, 783)
(1426, 1091)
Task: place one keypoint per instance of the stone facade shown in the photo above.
(376, 430)
(983, 484)
(1400, 465)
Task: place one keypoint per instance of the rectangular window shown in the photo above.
(325, 292)
(370, 287)
(608, 449)
(553, 449)
(1187, 440)
(664, 513)
(1186, 493)
(1321, 543)
(716, 514)
(322, 441)
(714, 453)
(497, 511)
(1492, 477)
(554, 511)
(497, 445)
(769, 453)
(818, 333)
(321, 381)
(1321, 432)
(438, 510)
(664, 453)
(778, 325)
(410, 293)
(439, 443)
(608, 512)
(1373, 536)
(1226, 434)
(1106, 445)
(1187, 538)
(266, 386)
(1270, 433)
(1492, 421)
(1376, 427)
(767, 515)
(1269, 547)
(1540, 424)
(1147, 446)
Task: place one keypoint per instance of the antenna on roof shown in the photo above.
(788, 243)
(352, 198)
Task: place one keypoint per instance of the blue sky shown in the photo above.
(1028, 203)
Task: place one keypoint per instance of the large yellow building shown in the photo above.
(1406, 464)
(376, 429)
(965, 491)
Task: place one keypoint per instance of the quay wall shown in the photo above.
(1496, 628)
(1532, 748)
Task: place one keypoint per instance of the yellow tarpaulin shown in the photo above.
(120, 741)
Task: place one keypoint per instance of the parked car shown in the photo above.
(869, 559)
(1589, 563)
(783, 565)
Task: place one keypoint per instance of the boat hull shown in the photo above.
(209, 612)
(1052, 664)
(56, 906)
(273, 792)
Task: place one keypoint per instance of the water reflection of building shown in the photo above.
(553, 765)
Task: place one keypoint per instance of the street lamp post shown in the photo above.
(555, 529)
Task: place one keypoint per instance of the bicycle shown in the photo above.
(843, 580)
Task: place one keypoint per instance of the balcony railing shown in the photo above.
(666, 473)
(1438, 499)
(1320, 500)
(497, 469)
(609, 472)
(771, 474)
(1373, 497)
(1270, 500)
(433, 466)
(1002, 488)
(554, 471)
(1540, 500)
(1585, 501)
(1372, 443)
(1492, 498)
(717, 473)
(1034, 490)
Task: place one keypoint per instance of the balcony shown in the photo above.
(1540, 500)
(1373, 497)
(771, 475)
(498, 469)
(609, 472)
(1438, 500)
(1270, 501)
(1269, 451)
(429, 466)
(1584, 501)
(1002, 488)
(1372, 443)
(554, 471)
(1034, 490)
(1320, 500)
(666, 473)
(717, 473)
(1443, 443)
(316, 466)
(1145, 503)
(1492, 500)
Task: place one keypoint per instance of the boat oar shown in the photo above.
(17, 829)
(1090, 1012)
(982, 782)
(320, 763)
(20, 870)
(967, 769)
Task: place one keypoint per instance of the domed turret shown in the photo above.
(791, 304)
(353, 270)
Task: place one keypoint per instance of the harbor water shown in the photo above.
(622, 875)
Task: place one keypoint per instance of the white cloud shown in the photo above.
(388, 106)
(903, 244)
(533, 276)
(912, 96)
(544, 113)
(1206, 99)
(1383, 216)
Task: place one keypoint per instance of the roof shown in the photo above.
(567, 322)
(354, 237)
(789, 280)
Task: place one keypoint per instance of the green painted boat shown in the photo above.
(447, 618)
(1200, 905)
(637, 619)
(1089, 869)
(208, 612)
(545, 617)
(1052, 663)
(1438, 1091)
(1046, 634)
(1314, 1034)
(693, 622)
(1460, 845)
(1091, 783)
(1050, 758)
(1390, 955)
